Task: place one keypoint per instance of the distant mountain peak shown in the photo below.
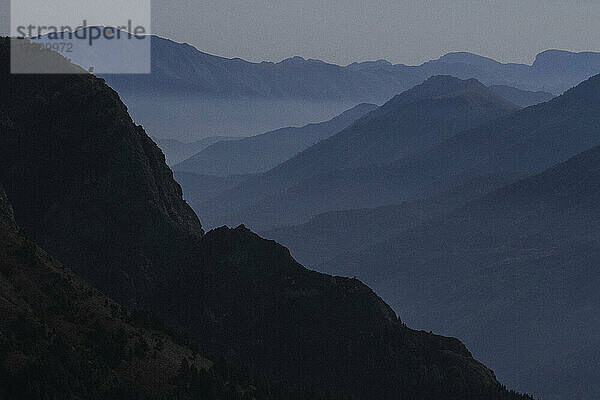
(467, 58)
(588, 62)
(551, 56)
(294, 60)
(445, 86)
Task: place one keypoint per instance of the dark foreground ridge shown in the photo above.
(91, 188)
(63, 339)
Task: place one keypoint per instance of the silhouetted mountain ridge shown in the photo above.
(525, 141)
(522, 98)
(527, 255)
(116, 216)
(261, 153)
(335, 233)
(61, 338)
(183, 67)
(191, 94)
(408, 124)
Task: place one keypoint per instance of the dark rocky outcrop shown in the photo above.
(85, 182)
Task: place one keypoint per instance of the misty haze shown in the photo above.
(304, 200)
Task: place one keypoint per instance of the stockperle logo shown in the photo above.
(108, 37)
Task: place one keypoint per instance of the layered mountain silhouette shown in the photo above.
(260, 153)
(263, 152)
(335, 233)
(408, 124)
(199, 175)
(553, 71)
(515, 270)
(181, 67)
(92, 189)
(177, 151)
(527, 141)
(191, 94)
(522, 98)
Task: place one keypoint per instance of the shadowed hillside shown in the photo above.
(514, 274)
(61, 338)
(125, 228)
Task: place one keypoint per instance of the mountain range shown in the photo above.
(191, 94)
(408, 124)
(525, 141)
(260, 153)
(91, 188)
(196, 94)
(517, 268)
(512, 268)
(509, 271)
(336, 233)
(178, 67)
(263, 152)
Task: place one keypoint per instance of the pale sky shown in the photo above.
(402, 31)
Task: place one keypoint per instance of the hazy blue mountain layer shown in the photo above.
(261, 153)
(528, 141)
(410, 123)
(514, 273)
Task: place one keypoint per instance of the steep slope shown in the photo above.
(231, 291)
(113, 171)
(335, 233)
(515, 271)
(198, 188)
(261, 153)
(522, 98)
(177, 151)
(406, 125)
(528, 141)
(61, 338)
